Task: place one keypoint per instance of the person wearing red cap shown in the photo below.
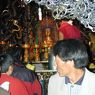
(68, 31)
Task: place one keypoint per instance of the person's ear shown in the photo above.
(71, 62)
(10, 70)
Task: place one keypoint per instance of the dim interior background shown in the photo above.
(33, 25)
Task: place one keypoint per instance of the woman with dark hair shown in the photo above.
(21, 72)
(14, 85)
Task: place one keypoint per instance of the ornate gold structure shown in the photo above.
(26, 52)
(36, 52)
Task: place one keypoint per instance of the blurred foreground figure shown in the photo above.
(21, 72)
(72, 77)
(13, 85)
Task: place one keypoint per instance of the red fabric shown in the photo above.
(16, 86)
(69, 31)
(33, 88)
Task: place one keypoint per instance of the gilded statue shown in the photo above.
(48, 40)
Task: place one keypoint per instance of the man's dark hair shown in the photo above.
(72, 49)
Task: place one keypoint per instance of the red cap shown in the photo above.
(69, 31)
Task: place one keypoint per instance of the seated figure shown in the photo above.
(16, 86)
(48, 40)
(21, 72)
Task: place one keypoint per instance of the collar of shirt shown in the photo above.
(79, 82)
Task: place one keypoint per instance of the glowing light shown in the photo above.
(40, 13)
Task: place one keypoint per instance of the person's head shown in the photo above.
(70, 55)
(6, 63)
(68, 30)
(16, 52)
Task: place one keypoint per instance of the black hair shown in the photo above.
(72, 49)
(5, 61)
(16, 52)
